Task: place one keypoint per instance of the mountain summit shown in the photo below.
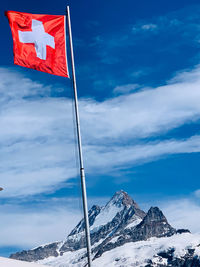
(118, 223)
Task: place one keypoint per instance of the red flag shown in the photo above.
(39, 42)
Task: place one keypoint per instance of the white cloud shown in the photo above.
(142, 114)
(141, 73)
(27, 227)
(183, 213)
(127, 88)
(37, 133)
(197, 193)
(108, 158)
(30, 224)
(150, 26)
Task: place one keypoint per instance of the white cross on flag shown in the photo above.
(39, 42)
(38, 37)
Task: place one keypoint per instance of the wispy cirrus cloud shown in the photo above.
(145, 27)
(143, 41)
(38, 153)
(127, 88)
(151, 111)
(126, 155)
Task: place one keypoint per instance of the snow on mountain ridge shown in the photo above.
(134, 222)
(106, 215)
(148, 253)
(93, 213)
(118, 202)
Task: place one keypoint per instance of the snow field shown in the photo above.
(5, 262)
(137, 253)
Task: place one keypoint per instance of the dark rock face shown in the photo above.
(189, 259)
(181, 231)
(154, 224)
(37, 254)
(127, 224)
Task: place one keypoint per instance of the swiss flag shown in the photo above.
(39, 42)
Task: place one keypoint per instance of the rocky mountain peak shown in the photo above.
(155, 224)
(121, 206)
(155, 214)
(121, 198)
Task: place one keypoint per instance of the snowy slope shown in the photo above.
(139, 253)
(5, 262)
(107, 214)
(68, 259)
(135, 253)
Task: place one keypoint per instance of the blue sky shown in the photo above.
(138, 77)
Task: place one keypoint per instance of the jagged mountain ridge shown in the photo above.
(119, 222)
(154, 224)
(119, 211)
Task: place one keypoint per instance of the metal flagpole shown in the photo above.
(82, 172)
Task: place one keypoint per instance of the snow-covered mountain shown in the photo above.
(121, 235)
